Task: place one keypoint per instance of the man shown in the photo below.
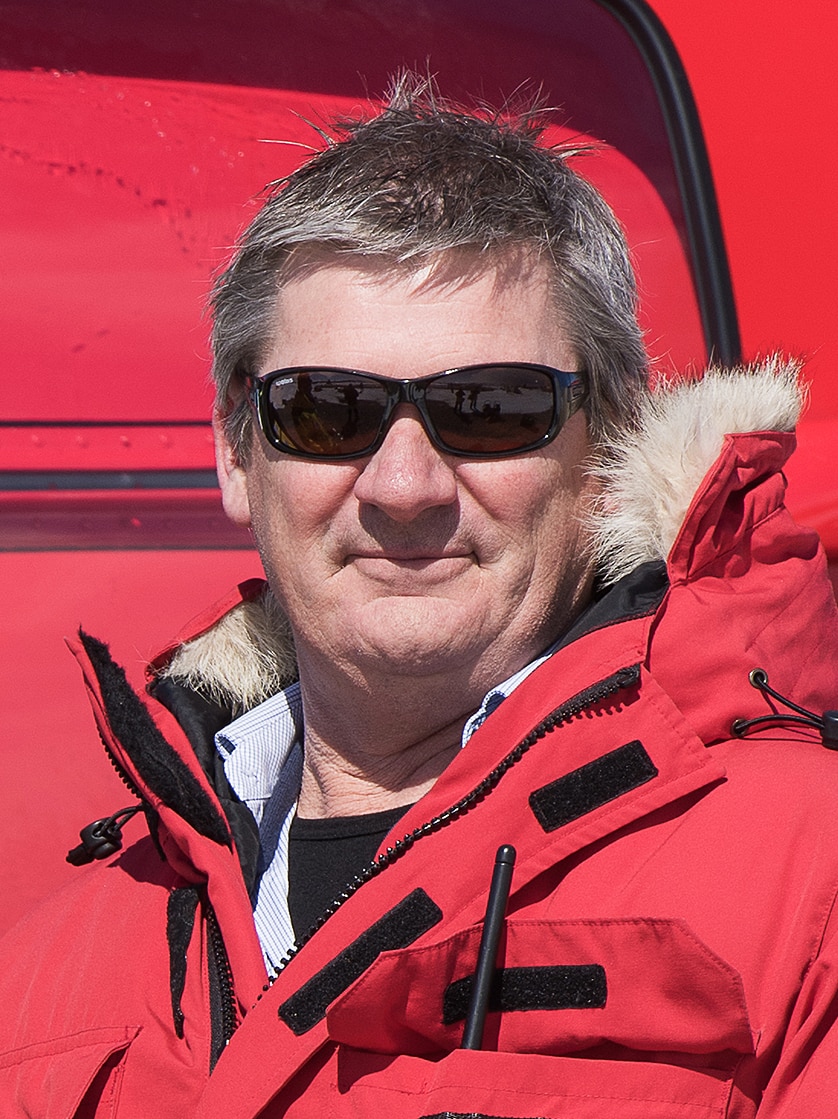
(533, 605)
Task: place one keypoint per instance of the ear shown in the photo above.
(232, 476)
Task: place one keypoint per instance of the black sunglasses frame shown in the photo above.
(569, 393)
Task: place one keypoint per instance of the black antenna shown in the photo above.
(487, 956)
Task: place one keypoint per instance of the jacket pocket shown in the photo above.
(629, 1018)
(77, 1076)
(646, 985)
(489, 1085)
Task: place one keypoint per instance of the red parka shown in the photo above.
(670, 947)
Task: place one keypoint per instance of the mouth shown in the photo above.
(423, 566)
(418, 555)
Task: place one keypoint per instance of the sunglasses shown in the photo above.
(477, 411)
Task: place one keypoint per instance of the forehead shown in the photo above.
(403, 321)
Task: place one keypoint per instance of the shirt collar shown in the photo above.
(256, 745)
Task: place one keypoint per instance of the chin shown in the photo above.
(418, 634)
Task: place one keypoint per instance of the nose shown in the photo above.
(406, 475)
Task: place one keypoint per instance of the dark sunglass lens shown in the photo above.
(492, 410)
(326, 413)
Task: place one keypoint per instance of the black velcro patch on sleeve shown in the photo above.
(559, 987)
(398, 928)
(592, 785)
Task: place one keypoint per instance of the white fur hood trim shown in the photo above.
(650, 477)
(648, 481)
(244, 659)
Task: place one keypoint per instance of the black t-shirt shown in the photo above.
(325, 856)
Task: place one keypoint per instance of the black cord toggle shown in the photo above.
(827, 723)
(102, 838)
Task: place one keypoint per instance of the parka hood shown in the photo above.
(651, 477)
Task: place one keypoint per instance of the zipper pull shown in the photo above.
(101, 838)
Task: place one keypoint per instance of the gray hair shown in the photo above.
(421, 179)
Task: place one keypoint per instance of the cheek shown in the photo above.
(295, 507)
(530, 500)
(531, 491)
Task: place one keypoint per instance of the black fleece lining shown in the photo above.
(180, 921)
(592, 785)
(157, 763)
(636, 595)
(201, 719)
(557, 987)
(398, 928)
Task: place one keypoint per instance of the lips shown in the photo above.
(407, 557)
(413, 568)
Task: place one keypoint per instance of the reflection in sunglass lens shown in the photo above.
(481, 410)
(491, 410)
(327, 413)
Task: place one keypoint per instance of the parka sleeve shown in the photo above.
(804, 1084)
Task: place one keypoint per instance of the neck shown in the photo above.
(336, 785)
(364, 756)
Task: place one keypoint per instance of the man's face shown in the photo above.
(411, 561)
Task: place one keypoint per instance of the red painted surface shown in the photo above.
(115, 446)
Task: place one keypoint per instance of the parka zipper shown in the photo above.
(223, 1018)
(621, 679)
(223, 1014)
(130, 784)
(103, 838)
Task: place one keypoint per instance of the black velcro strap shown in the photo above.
(180, 921)
(560, 987)
(592, 785)
(403, 924)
